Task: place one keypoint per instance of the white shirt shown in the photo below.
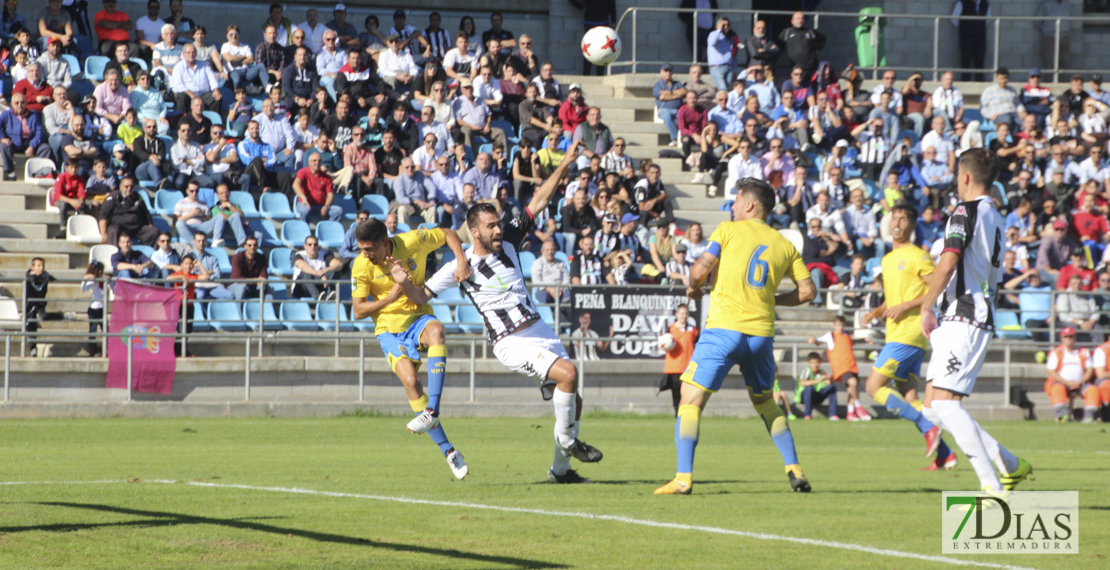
(240, 50)
(151, 29)
(941, 142)
(1072, 367)
(487, 91)
(895, 97)
(391, 63)
(313, 37)
(586, 350)
(459, 62)
(949, 101)
(739, 167)
(275, 132)
(444, 142)
(424, 160)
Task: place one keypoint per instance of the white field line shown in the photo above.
(543, 512)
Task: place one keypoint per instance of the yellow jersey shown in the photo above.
(375, 281)
(904, 272)
(753, 259)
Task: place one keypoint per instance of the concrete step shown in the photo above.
(12, 282)
(13, 202)
(644, 144)
(54, 261)
(621, 103)
(638, 127)
(28, 217)
(27, 231)
(21, 189)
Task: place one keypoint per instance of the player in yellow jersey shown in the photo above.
(403, 327)
(906, 270)
(749, 260)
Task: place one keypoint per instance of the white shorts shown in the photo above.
(958, 353)
(531, 351)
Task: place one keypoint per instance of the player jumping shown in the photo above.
(967, 276)
(906, 270)
(402, 326)
(753, 258)
(520, 339)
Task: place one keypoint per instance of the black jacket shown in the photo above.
(802, 45)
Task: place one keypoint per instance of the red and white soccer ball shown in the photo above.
(601, 45)
(666, 342)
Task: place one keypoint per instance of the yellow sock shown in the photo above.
(881, 395)
(918, 405)
(420, 404)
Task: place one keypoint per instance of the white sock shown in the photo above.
(565, 409)
(561, 463)
(851, 407)
(931, 415)
(958, 422)
(1007, 462)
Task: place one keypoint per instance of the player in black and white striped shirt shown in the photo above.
(965, 281)
(520, 339)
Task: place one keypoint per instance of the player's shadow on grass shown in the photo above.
(174, 519)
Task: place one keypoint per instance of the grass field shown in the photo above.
(115, 493)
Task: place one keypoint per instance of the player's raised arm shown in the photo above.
(362, 307)
(462, 270)
(418, 295)
(543, 194)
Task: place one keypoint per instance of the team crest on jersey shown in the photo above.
(411, 263)
(422, 235)
(902, 265)
(961, 210)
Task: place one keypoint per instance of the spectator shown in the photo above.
(678, 268)
(999, 103)
(573, 111)
(112, 98)
(406, 33)
(938, 178)
(189, 162)
(233, 219)
(587, 267)
(249, 264)
(1036, 304)
(165, 258)
(77, 147)
(669, 95)
(799, 86)
(298, 82)
(1037, 99)
(315, 192)
(474, 118)
(742, 165)
(269, 54)
(38, 92)
(346, 32)
(579, 220)
(802, 44)
(359, 159)
(68, 196)
(149, 104)
(396, 66)
(722, 63)
(55, 69)
(388, 157)
(283, 27)
(651, 197)
(195, 216)
(149, 155)
(296, 42)
(329, 61)
(691, 122)
(91, 285)
(948, 101)
(190, 272)
(524, 59)
(761, 47)
(818, 251)
(20, 130)
(788, 120)
(56, 24)
(414, 194)
(208, 289)
(1077, 267)
(192, 79)
(816, 387)
(166, 55)
(113, 28)
(548, 90)
(314, 31)
(1074, 309)
(973, 35)
(549, 275)
(314, 264)
(825, 123)
(1091, 226)
(873, 147)
(775, 160)
(130, 263)
(596, 137)
(56, 117)
(148, 29)
(239, 62)
(121, 63)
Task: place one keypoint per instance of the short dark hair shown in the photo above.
(981, 164)
(38, 259)
(813, 355)
(372, 230)
(908, 210)
(757, 190)
(200, 233)
(472, 213)
(859, 256)
(839, 319)
(167, 234)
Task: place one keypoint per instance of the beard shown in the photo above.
(492, 244)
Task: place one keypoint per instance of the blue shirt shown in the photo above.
(926, 233)
(793, 115)
(661, 86)
(725, 119)
(719, 49)
(936, 173)
(349, 249)
(248, 151)
(767, 95)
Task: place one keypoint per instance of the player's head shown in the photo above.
(977, 171)
(485, 226)
(903, 219)
(373, 240)
(814, 360)
(754, 200)
(838, 324)
(681, 313)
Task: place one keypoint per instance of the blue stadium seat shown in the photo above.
(1007, 326)
(874, 265)
(267, 230)
(226, 316)
(486, 148)
(165, 200)
(364, 325)
(527, 259)
(345, 201)
(200, 320)
(296, 316)
(251, 312)
(213, 116)
(162, 224)
(281, 261)
(444, 315)
(280, 290)
(145, 249)
(74, 65)
(562, 256)
(452, 296)
(546, 315)
(427, 226)
(84, 88)
(141, 63)
(294, 232)
(469, 319)
(221, 257)
(329, 234)
(907, 134)
(375, 204)
(94, 67)
(325, 317)
(403, 228)
(276, 206)
(873, 189)
(559, 210)
(246, 203)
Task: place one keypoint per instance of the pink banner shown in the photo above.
(143, 310)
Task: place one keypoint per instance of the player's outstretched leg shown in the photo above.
(419, 402)
(568, 411)
(958, 422)
(687, 427)
(431, 336)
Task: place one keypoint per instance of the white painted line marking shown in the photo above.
(543, 512)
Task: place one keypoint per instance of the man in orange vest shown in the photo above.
(676, 359)
(842, 360)
(1100, 363)
(1069, 372)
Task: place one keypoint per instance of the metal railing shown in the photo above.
(995, 22)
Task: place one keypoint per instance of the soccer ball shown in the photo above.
(873, 355)
(666, 342)
(601, 45)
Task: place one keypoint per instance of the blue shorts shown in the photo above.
(900, 362)
(406, 344)
(718, 350)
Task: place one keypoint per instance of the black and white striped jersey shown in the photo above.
(496, 286)
(974, 232)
